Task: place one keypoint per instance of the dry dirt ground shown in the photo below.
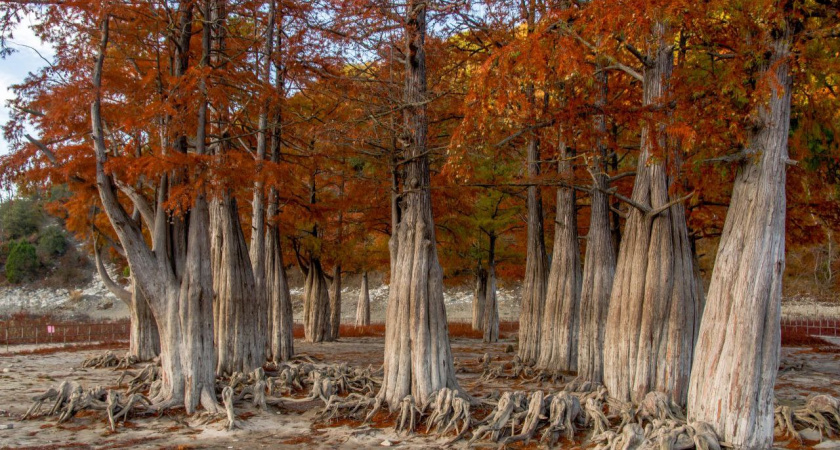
(805, 372)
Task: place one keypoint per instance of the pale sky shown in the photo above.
(15, 67)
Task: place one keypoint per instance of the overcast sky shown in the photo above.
(15, 67)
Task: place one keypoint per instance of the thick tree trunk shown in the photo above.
(490, 327)
(654, 311)
(144, 341)
(181, 300)
(479, 294)
(240, 342)
(335, 303)
(316, 304)
(187, 355)
(559, 341)
(363, 305)
(277, 291)
(737, 352)
(418, 357)
(599, 262)
(536, 267)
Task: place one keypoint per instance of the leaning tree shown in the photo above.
(737, 354)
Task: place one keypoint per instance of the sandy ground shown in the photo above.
(293, 425)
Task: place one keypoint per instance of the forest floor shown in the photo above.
(804, 371)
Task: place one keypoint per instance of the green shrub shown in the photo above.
(52, 242)
(20, 217)
(22, 262)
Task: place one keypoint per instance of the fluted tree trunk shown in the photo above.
(278, 297)
(363, 305)
(479, 294)
(559, 346)
(599, 261)
(281, 336)
(316, 304)
(335, 303)
(144, 341)
(259, 233)
(240, 342)
(178, 286)
(490, 327)
(737, 352)
(534, 287)
(655, 305)
(418, 357)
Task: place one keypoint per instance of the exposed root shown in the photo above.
(821, 412)
(449, 409)
(497, 420)
(110, 360)
(71, 398)
(227, 399)
(595, 417)
(409, 413)
(118, 407)
(784, 420)
(536, 407)
(564, 411)
(657, 405)
(352, 406)
(145, 380)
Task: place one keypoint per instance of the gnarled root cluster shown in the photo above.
(148, 379)
(108, 360)
(517, 369)
(345, 391)
(821, 412)
(70, 398)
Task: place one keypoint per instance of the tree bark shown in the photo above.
(599, 262)
(534, 286)
(363, 305)
(279, 299)
(316, 304)
(418, 357)
(737, 352)
(240, 342)
(536, 267)
(654, 311)
(335, 303)
(144, 341)
(479, 295)
(559, 340)
(181, 300)
(277, 291)
(490, 327)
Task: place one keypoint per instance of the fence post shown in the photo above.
(7, 340)
(36, 335)
(64, 335)
(88, 334)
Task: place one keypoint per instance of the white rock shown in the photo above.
(386, 443)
